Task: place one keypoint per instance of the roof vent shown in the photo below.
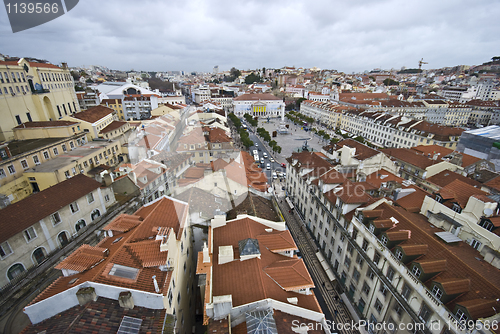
(394, 220)
(269, 230)
(293, 300)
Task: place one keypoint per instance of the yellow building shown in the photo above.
(116, 105)
(79, 161)
(31, 91)
(94, 119)
(20, 156)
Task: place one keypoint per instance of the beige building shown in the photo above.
(145, 260)
(94, 120)
(81, 160)
(116, 105)
(21, 156)
(42, 223)
(32, 91)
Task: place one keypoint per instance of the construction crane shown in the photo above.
(420, 63)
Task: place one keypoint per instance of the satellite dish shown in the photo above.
(487, 212)
(161, 188)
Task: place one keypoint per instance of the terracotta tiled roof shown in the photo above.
(247, 280)
(136, 248)
(194, 173)
(446, 177)
(93, 114)
(480, 308)
(411, 250)
(363, 152)
(113, 126)
(278, 241)
(148, 253)
(430, 150)
(217, 135)
(410, 156)
(454, 286)
(218, 164)
(452, 261)
(101, 316)
(15, 217)
(45, 124)
(290, 274)
(398, 235)
(83, 258)
(123, 223)
(460, 192)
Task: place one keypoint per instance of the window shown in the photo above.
(124, 272)
(339, 250)
(64, 148)
(365, 245)
(366, 289)
(11, 169)
(437, 292)
(399, 254)
(378, 305)
(406, 292)
(383, 290)
(355, 275)
(74, 207)
(347, 262)
(416, 271)
(474, 243)
(5, 249)
(399, 310)
(425, 313)
(360, 261)
(2, 173)
(56, 152)
(90, 197)
(461, 316)
(384, 240)
(66, 173)
(106, 198)
(56, 218)
(376, 257)
(370, 274)
(29, 234)
(46, 155)
(350, 249)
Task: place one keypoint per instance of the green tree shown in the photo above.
(251, 78)
(390, 82)
(277, 149)
(496, 58)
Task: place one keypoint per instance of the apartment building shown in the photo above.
(326, 113)
(469, 214)
(206, 144)
(398, 131)
(44, 222)
(39, 142)
(252, 279)
(80, 160)
(139, 106)
(260, 105)
(145, 260)
(94, 119)
(116, 105)
(390, 266)
(32, 91)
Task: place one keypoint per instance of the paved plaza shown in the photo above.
(294, 140)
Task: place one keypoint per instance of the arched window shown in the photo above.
(95, 214)
(39, 255)
(63, 238)
(15, 270)
(80, 224)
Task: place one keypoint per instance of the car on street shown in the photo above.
(265, 155)
(268, 166)
(262, 161)
(256, 145)
(271, 159)
(275, 176)
(283, 165)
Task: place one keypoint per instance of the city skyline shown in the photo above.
(196, 36)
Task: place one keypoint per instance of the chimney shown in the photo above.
(226, 254)
(206, 256)
(155, 282)
(126, 300)
(86, 295)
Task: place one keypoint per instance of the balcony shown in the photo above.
(40, 91)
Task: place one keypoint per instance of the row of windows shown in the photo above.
(55, 76)
(36, 160)
(16, 77)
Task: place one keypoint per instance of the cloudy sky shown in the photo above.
(195, 35)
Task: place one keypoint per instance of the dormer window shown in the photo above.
(436, 291)
(456, 208)
(461, 317)
(384, 240)
(416, 271)
(439, 199)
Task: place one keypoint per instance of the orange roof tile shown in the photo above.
(84, 258)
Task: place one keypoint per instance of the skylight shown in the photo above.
(124, 272)
(261, 322)
(129, 325)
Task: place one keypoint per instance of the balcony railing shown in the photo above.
(40, 91)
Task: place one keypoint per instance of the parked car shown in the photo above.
(283, 165)
(268, 166)
(275, 176)
(271, 159)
